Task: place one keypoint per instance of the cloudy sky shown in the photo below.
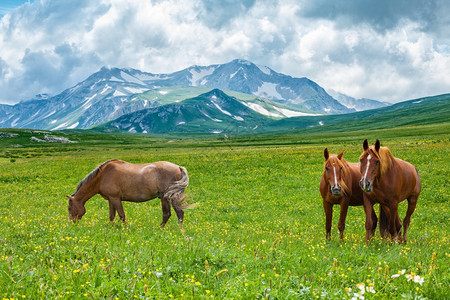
(386, 50)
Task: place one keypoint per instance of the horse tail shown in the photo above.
(175, 191)
(384, 223)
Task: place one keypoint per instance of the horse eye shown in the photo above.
(360, 160)
(326, 168)
(377, 162)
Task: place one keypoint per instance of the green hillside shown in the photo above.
(198, 115)
(211, 112)
(176, 94)
(422, 111)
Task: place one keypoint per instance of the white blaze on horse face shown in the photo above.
(367, 167)
(335, 177)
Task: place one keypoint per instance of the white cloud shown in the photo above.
(51, 45)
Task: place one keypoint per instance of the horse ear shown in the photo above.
(377, 145)
(365, 145)
(340, 155)
(326, 154)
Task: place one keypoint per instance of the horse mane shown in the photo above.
(345, 172)
(386, 158)
(91, 175)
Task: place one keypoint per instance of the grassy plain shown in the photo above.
(257, 232)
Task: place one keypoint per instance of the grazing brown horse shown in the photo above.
(118, 181)
(339, 185)
(388, 181)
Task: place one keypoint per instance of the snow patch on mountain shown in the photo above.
(264, 69)
(213, 99)
(202, 73)
(259, 109)
(118, 93)
(50, 113)
(105, 89)
(129, 78)
(133, 90)
(291, 113)
(209, 117)
(244, 62)
(14, 123)
(268, 90)
(148, 76)
(74, 125)
(87, 104)
(234, 74)
(114, 78)
(61, 126)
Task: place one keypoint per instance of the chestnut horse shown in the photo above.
(388, 181)
(339, 185)
(118, 181)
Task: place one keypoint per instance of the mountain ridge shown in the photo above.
(169, 118)
(113, 92)
(199, 114)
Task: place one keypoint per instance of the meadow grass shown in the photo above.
(257, 231)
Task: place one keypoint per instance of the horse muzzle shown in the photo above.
(336, 190)
(366, 185)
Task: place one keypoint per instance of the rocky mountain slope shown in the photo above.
(112, 92)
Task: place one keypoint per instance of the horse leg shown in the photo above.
(180, 216)
(392, 214)
(412, 201)
(368, 210)
(374, 222)
(398, 225)
(328, 207)
(384, 223)
(117, 204)
(165, 210)
(112, 211)
(342, 216)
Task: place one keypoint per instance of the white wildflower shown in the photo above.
(418, 279)
(370, 289)
(399, 273)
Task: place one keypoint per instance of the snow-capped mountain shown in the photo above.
(357, 104)
(103, 96)
(112, 92)
(211, 112)
(246, 77)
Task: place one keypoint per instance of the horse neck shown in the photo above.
(346, 177)
(87, 190)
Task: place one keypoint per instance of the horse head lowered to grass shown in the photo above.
(388, 181)
(339, 185)
(118, 181)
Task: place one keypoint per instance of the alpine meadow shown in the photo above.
(230, 150)
(256, 229)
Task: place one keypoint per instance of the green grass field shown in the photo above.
(257, 231)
